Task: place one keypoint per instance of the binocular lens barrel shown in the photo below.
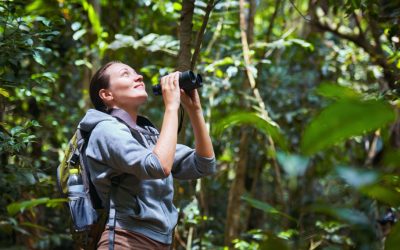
(187, 81)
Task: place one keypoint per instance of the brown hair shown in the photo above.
(100, 80)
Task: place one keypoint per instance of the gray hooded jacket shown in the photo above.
(144, 196)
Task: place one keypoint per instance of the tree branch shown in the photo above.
(272, 21)
(358, 23)
(375, 51)
(200, 33)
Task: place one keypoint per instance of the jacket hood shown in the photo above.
(92, 118)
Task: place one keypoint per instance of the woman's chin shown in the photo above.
(142, 99)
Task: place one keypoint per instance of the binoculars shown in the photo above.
(187, 81)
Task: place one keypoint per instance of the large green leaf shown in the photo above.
(382, 194)
(335, 91)
(343, 119)
(16, 207)
(267, 208)
(267, 126)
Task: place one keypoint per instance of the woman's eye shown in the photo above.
(125, 74)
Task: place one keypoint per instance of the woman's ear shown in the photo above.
(106, 95)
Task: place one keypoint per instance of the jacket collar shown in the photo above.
(124, 116)
(140, 125)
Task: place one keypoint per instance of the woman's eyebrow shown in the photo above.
(126, 69)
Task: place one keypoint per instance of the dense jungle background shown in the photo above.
(301, 98)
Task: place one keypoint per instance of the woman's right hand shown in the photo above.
(171, 91)
(165, 147)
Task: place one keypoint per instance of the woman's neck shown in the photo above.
(133, 113)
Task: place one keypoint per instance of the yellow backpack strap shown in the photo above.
(63, 168)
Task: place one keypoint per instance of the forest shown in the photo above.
(301, 99)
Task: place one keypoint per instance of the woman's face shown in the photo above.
(126, 86)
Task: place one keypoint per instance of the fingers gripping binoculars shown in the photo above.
(187, 81)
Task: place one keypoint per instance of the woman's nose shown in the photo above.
(138, 77)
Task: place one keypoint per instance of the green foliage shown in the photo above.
(265, 207)
(265, 125)
(329, 97)
(20, 207)
(383, 194)
(343, 119)
(333, 91)
(151, 42)
(18, 138)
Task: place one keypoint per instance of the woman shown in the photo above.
(126, 147)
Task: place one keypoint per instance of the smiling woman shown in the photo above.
(126, 146)
(126, 88)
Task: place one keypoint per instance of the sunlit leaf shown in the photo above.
(75, 26)
(287, 234)
(79, 34)
(56, 202)
(222, 62)
(330, 226)
(344, 119)
(15, 130)
(302, 43)
(16, 207)
(83, 62)
(4, 92)
(177, 6)
(38, 58)
(268, 127)
(93, 18)
(282, 43)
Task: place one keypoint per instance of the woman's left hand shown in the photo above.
(190, 100)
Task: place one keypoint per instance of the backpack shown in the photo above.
(88, 215)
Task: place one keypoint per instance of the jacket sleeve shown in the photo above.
(112, 144)
(188, 165)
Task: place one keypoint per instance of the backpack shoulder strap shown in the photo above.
(134, 132)
(112, 211)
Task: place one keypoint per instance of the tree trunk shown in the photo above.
(185, 35)
(250, 21)
(95, 59)
(185, 54)
(237, 189)
(233, 217)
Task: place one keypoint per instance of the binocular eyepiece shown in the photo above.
(187, 81)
